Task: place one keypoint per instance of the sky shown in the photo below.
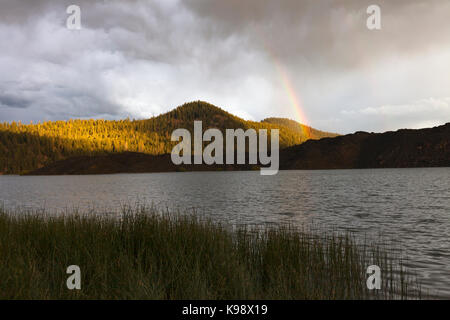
(314, 61)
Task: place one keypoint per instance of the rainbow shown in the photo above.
(294, 99)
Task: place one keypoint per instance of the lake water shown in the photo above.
(410, 207)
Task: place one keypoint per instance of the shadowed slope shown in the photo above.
(399, 149)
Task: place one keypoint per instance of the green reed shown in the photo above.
(146, 254)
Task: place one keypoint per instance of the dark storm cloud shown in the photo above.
(331, 32)
(140, 58)
(20, 11)
(13, 101)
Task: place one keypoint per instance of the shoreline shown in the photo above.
(220, 170)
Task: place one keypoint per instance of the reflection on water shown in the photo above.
(411, 207)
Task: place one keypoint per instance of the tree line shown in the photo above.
(25, 147)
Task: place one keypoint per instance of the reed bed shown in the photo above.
(146, 254)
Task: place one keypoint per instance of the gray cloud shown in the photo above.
(140, 58)
(330, 32)
(13, 101)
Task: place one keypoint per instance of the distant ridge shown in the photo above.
(300, 128)
(25, 148)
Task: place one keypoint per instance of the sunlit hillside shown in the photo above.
(25, 147)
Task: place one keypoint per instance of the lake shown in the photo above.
(408, 207)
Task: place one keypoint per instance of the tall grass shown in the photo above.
(148, 255)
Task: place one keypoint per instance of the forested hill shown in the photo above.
(27, 147)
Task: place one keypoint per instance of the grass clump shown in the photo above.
(144, 254)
